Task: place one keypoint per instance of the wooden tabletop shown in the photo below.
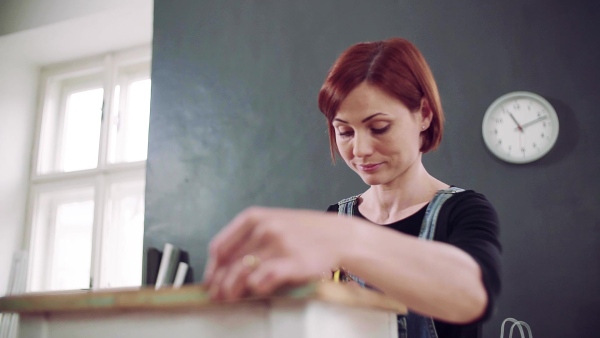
(186, 297)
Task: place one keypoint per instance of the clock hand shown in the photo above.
(519, 127)
(534, 121)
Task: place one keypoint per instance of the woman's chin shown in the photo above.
(372, 179)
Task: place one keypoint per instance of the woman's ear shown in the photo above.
(425, 113)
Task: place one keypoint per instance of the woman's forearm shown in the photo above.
(432, 278)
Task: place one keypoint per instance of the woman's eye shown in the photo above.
(380, 130)
(345, 133)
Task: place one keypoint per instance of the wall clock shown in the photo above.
(520, 127)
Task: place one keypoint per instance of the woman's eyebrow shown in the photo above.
(366, 119)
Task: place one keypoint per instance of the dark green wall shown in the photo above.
(234, 123)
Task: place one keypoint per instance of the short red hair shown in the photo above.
(395, 66)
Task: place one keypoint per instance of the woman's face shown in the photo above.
(377, 136)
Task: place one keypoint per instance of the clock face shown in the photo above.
(520, 127)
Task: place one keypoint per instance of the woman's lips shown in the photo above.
(369, 167)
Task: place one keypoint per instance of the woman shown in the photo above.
(383, 112)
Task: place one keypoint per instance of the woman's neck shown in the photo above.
(401, 198)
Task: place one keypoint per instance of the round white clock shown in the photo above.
(520, 127)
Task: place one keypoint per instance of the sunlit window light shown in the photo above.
(81, 134)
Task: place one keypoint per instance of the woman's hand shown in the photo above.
(263, 249)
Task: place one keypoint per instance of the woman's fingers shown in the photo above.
(254, 233)
(214, 288)
(261, 278)
(276, 273)
(230, 281)
(293, 248)
(209, 271)
(234, 283)
(225, 246)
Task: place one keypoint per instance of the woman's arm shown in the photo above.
(432, 278)
(296, 246)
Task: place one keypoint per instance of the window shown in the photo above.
(87, 185)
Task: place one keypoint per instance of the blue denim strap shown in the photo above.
(433, 209)
(425, 325)
(346, 206)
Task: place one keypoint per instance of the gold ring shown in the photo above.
(250, 261)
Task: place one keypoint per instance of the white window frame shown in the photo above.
(46, 178)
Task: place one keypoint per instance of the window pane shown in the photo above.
(123, 236)
(72, 247)
(129, 130)
(61, 246)
(81, 133)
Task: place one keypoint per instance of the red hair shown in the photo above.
(395, 66)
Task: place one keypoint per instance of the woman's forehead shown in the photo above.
(366, 100)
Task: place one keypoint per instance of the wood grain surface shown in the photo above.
(187, 297)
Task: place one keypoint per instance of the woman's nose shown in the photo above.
(362, 145)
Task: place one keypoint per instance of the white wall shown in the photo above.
(35, 33)
(19, 15)
(18, 82)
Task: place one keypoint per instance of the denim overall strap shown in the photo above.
(420, 326)
(346, 208)
(433, 209)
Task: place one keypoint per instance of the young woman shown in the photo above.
(383, 111)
